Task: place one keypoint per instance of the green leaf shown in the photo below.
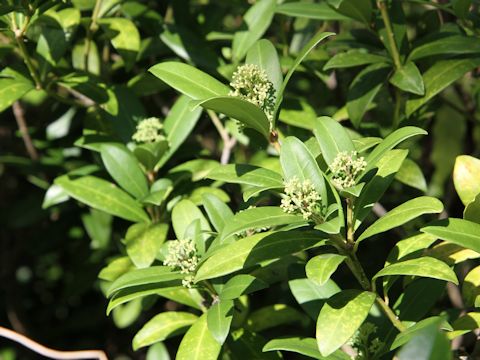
(257, 218)
(452, 254)
(124, 36)
(438, 77)
(264, 55)
(116, 268)
(458, 231)
(143, 241)
(464, 324)
(123, 167)
(390, 142)
(340, 317)
(408, 78)
(472, 210)
(198, 343)
(218, 212)
(411, 174)
(242, 110)
(403, 214)
(158, 351)
(332, 138)
(360, 10)
(151, 275)
(275, 315)
(465, 178)
(471, 287)
(388, 166)
(150, 153)
(103, 195)
(178, 124)
(256, 21)
(430, 343)
(219, 319)
(298, 162)
(352, 58)
(309, 10)
(254, 249)
(303, 346)
(248, 175)
(53, 196)
(186, 212)
(424, 266)
(314, 41)
(188, 80)
(321, 267)
(13, 86)
(407, 335)
(241, 285)
(447, 45)
(248, 345)
(162, 327)
(363, 90)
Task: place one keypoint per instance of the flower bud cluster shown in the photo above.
(250, 82)
(148, 131)
(182, 256)
(345, 167)
(300, 197)
(367, 348)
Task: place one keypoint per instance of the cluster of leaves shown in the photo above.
(259, 254)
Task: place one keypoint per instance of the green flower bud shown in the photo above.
(345, 168)
(148, 131)
(301, 198)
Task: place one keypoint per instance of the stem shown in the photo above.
(90, 31)
(390, 36)
(350, 223)
(228, 142)
(51, 353)
(19, 115)
(390, 314)
(398, 106)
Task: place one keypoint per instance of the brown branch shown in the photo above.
(51, 353)
(19, 115)
(228, 142)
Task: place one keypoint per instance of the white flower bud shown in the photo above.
(182, 256)
(301, 198)
(149, 130)
(345, 167)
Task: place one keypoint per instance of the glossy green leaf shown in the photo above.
(471, 287)
(245, 344)
(390, 142)
(183, 214)
(464, 324)
(472, 210)
(304, 346)
(321, 267)
(316, 11)
(340, 317)
(248, 175)
(409, 79)
(188, 80)
(125, 38)
(438, 77)
(300, 57)
(158, 351)
(458, 231)
(424, 266)
(298, 162)
(242, 110)
(402, 214)
(447, 45)
(218, 212)
(198, 343)
(430, 343)
(264, 55)
(241, 285)
(408, 246)
(407, 335)
(332, 138)
(13, 85)
(219, 318)
(151, 275)
(116, 268)
(352, 58)
(143, 241)
(256, 21)
(162, 327)
(257, 218)
(360, 10)
(411, 174)
(150, 153)
(103, 195)
(363, 90)
(123, 167)
(465, 178)
(254, 249)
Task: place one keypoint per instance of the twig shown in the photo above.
(228, 142)
(51, 353)
(91, 29)
(19, 115)
(390, 36)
